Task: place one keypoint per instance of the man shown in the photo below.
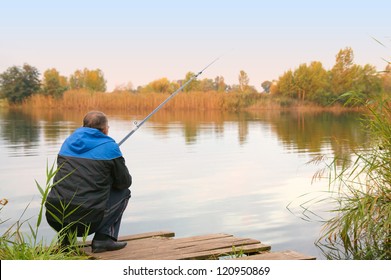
(91, 187)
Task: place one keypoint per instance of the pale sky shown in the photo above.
(140, 41)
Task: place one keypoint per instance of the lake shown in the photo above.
(193, 172)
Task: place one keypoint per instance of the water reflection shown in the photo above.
(17, 128)
(195, 172)
(22, 131)
(297, 131)
(316, 132)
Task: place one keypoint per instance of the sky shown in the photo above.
(141, 41)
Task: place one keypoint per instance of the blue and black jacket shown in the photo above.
(90, 164)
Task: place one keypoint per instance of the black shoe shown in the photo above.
(99, 246)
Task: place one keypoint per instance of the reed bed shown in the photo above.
(121, 100)
(198, 101)
(360, 227)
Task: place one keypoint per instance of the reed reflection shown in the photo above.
(299, 132)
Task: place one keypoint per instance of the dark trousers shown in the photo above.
(116, 206)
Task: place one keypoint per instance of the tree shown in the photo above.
(94, 80)
(310, 81)
(76, 81)
(162, 85)
(307, 82)
(366, 81)
(341, 75)
(18, 83)
(220, 84)
(53, 83)
(285, 84)
(194, 85)
(207, 85)
(243, 81)
(266, 86)
(345, 76)
(88, 79)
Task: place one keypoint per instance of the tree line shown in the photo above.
(308, 82)
(312, 82)
(17, 83)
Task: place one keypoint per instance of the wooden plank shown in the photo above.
(147, 235)
(154, 248)
(200, 238)
(203, 245)
(226, 252)
(204, 250)
(208, 254)
(137, 236)
(219, 244)
(167, 249)
(160, 246)
(283, 255)
(189, 248)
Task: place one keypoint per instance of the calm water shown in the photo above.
(194, 172)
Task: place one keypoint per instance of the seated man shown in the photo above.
(91, 186)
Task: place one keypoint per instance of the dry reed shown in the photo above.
(120, 100)
(200, 101)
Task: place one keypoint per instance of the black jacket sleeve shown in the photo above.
(121, 175)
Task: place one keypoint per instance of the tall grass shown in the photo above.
(361, 224)
(195, 101)
(121, 100)
(17, 245)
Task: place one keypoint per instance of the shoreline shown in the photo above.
(194, 101)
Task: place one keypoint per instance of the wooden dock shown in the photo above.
(163, 246)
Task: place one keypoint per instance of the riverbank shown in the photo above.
(121, 100)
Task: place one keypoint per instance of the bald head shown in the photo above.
(96, 119)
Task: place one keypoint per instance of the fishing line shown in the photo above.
(138, 125)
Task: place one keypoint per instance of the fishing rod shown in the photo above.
(138, 125)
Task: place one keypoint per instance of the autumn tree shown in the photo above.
(266, 86)
(194, 85)
(53, 83)
(88, 79)
(243, 81)
(310, 81)
(76, 81)
(94, 80)
(220, 84)
(285, 85)
(347, 77)
(366, 81)
(18, 83)
(162, 85)
(207, 85)
(342, 73)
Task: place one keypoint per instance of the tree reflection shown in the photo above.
(301, 132)
(23, 130)
(19, 130)
(315, 132)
